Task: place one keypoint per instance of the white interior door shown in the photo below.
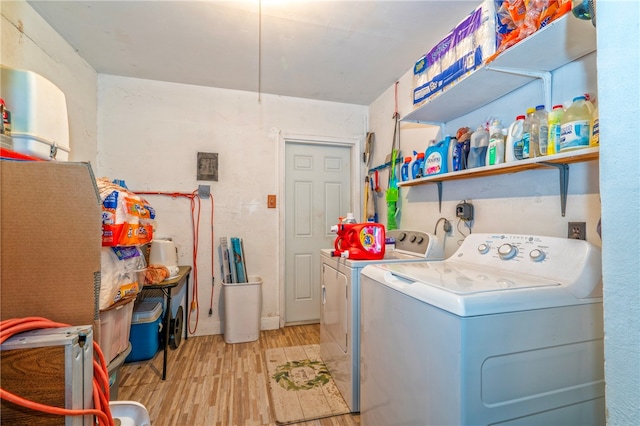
(318, 192)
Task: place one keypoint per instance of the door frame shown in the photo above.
(355, 145)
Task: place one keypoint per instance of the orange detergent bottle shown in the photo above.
(359, 241)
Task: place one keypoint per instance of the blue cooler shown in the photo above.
(145, 331)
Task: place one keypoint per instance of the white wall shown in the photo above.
(149, 135)
(29, 43)
(619, 83)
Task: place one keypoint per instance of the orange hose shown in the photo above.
(102, 410)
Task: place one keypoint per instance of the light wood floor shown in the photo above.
(211, 383)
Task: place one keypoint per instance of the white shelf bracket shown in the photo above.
(433, 123)
(545, 76)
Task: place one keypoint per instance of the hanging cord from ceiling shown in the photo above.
(101, 396)
(259, 50)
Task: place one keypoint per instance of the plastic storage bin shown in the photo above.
(115, 324)
(145, 331)
(114, 373)
(242, 310)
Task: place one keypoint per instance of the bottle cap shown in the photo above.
(407, 159)
(539, 107)
(520, 117)
(558, 106)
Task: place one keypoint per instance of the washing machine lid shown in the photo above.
(467, 279)
(469, 290)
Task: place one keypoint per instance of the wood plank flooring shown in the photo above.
(212, 383)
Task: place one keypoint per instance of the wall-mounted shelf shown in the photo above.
(559, 43)
(560, 161)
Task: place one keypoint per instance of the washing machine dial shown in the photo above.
(402, 236)
(420, 240)
(483, 248)
(537, 255)
(507, 251)
(413, 238)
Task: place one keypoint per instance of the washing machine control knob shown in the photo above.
(507, 251)
(537, 255)
(413, 238)
(402, 236)
(420, 240)
(483, 248)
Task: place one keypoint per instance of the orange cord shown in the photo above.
(102, 410)
(213, 280)
(194, 306)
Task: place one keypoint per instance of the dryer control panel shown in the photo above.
(563, 259)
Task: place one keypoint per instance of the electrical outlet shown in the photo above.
(204, 191)
(577, 230)
(448, 229)
(464, 211)
(271, 201)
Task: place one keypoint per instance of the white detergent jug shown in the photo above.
(515, 144)
(478, 148)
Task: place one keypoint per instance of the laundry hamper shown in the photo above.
(242, 310)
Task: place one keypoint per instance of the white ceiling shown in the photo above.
(343, 51)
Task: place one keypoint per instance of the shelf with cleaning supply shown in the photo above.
(559, 43)
(559, 161)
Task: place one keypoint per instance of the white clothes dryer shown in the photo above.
(508, 330)
(340, 309)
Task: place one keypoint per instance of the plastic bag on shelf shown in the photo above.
(127, 219)
(121, 274)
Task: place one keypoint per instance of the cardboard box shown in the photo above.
(50, 231)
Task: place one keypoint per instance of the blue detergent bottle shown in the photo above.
(404, 170)
(417, 166)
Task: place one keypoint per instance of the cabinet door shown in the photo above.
(334, 305)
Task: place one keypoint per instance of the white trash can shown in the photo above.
(242, 310)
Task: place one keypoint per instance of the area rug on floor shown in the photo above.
(300, 385)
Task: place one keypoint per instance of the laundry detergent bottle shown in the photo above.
(359, 241)
(405, 173)
(435, 158)
(478, 148)
(555, 124)
(495, 151)
(575, 130)
(417, 166)
(526, 135)
(514, 143)
(541, 131)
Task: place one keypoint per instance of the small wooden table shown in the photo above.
(166, 287)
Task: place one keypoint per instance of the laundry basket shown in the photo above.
(242, 310)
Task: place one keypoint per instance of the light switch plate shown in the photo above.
(271, 201)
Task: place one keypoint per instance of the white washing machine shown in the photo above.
(340, 310)
(509, 331)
